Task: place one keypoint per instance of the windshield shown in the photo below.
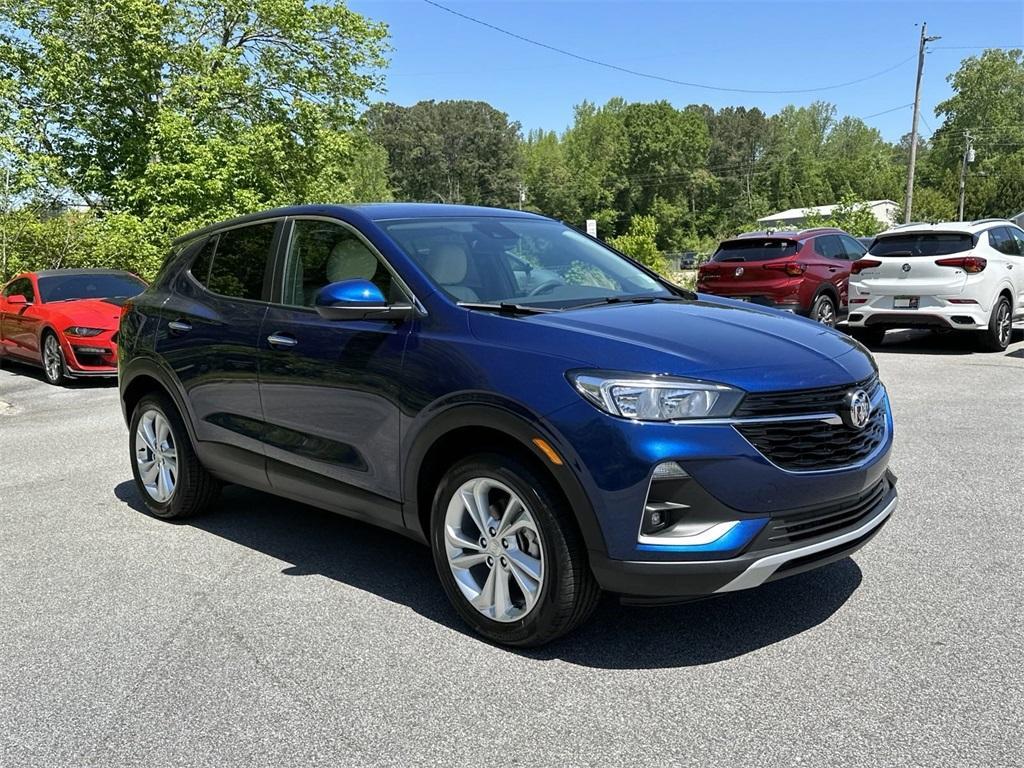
(922, 244)
(532, 262)
(754, 249)
(89, 286)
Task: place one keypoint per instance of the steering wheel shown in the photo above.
(544, 287)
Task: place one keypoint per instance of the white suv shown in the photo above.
(955, 275)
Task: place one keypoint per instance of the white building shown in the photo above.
(794, 218)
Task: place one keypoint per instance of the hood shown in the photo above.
(755, 349)
(92, 313)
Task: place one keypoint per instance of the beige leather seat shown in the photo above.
(448, 265)
(350, 260)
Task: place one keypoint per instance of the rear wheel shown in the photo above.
(508, 552)
(996, 337)
(824, 311)
(172, 482)
(872, 337)
(54, 368)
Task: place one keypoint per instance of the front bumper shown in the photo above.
(648, 582)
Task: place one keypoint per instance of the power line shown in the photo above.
(649, 76)
(887, 111)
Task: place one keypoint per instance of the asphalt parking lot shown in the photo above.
(272, 634)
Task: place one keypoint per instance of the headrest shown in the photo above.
(350, 260)
(449, 263)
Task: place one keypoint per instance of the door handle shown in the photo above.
(281, 340)
(179, 326)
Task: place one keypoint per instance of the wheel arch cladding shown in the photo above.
(463, 432)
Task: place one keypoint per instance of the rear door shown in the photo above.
(1018, 266)
(208, 333)
(1010, 258)
(828, 263)
(330, 388)
(908, 264)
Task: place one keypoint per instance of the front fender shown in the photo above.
(515, 421)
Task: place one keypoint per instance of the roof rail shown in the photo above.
(995, 218)
(819, 229)
(909, 224)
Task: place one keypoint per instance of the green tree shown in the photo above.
(641, 243)
(449, 151)
(178, 112)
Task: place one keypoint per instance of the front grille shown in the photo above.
(808, 446)
(793, 403)
(822, 521)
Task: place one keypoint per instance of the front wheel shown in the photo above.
(172, 482)
(54, 367)
(996, 337)
(508, 552)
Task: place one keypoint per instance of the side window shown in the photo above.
(22, 287)
(320, 253)
(853, 249)
(240, 261)
(829, 246)
(201, 264)
(1003, 241)
(1018, 237)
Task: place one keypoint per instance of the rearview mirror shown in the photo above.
(357, 300)
(17, 299)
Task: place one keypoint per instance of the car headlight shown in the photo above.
(655, 398)
(81, 330)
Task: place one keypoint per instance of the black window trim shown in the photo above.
(280, 267)
(268, 268)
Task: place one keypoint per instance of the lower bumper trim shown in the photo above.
(760, 571)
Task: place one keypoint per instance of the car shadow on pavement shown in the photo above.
(918, 342)
(397, 569)
(34, 372)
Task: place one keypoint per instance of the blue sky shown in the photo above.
(769, 45)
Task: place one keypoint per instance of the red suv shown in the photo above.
(803, 272)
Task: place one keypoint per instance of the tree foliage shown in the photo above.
(449, 151)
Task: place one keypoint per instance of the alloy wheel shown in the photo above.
(494, 549)
(51, 358)
(156, 456)
(1004, 324)
(826, 313)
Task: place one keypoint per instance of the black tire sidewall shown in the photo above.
(171, 509)
(541, 623)
(992, 340)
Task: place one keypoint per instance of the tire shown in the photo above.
(824, 311)
(870, 337)
(1000, 327)
(565, 594)
(54, 366)
(192, 488)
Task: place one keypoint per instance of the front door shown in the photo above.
(330, 388)
(19, 324)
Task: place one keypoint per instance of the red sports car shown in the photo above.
(65, 320)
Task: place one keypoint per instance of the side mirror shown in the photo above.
(17, 299)
(357, 300)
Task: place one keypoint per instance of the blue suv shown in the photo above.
(550, 417)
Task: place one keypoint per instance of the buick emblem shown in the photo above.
(857, 409)
(906, 267)
(738, 272)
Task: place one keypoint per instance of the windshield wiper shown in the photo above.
(629, 300)
(506, 308)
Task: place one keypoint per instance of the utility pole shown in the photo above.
(968, 158)
(909, 203)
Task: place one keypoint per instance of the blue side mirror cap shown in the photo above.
(357, 300)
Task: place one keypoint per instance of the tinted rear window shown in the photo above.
(239, 260)
(89, 286)
(754, 249)
(922, 244)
